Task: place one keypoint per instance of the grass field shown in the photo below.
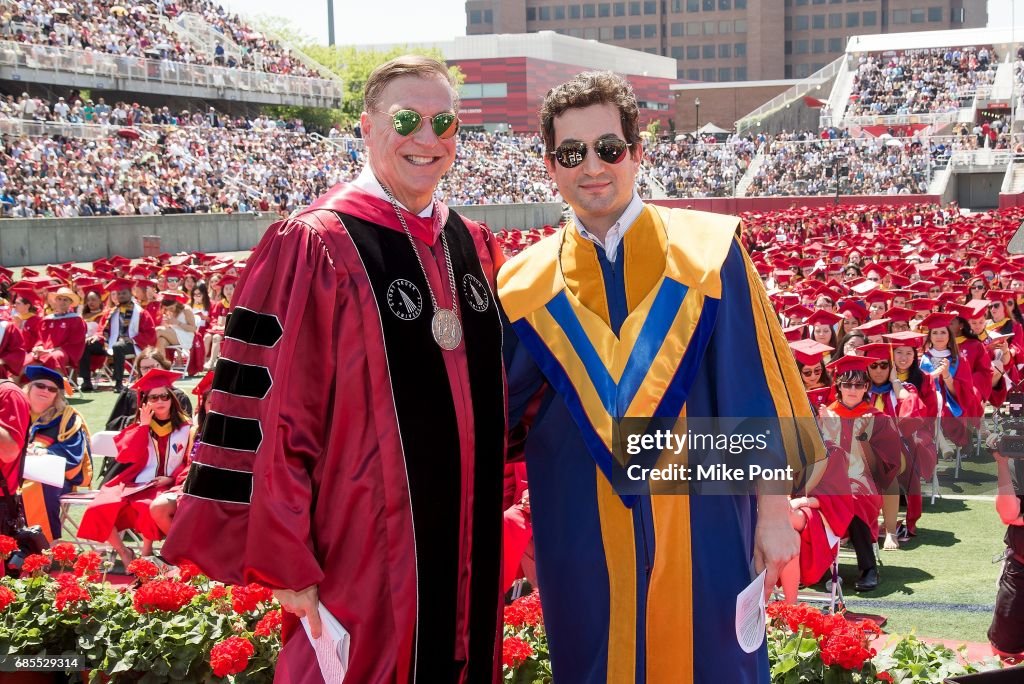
(942, 584)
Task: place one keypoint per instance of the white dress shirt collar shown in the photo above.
(618, 230)
(367, 182)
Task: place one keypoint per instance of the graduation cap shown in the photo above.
(1000, 295)
(6, 274)
(119, 261)
(144, 282)
(799, 311)
(923, 304)
(974, 309)
(873, 328)
(29, 273)
(823, 317)
(228, 280)
(906, 338)
(140, 271)
(880, 350)
(34, 373)
(89, 284)
(854, 308)
(851, 363)
(793, 333)
(204, 385)
(118, 284)
(172, 272)
(937, 320)
(863, 286)
(173, 296)
(949, 297)
(809, 352)
(898, 280)
(898, 314)
(154, 379)
(877, 296)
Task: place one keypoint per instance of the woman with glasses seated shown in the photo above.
(123, 413)
(872, 447)
(950, 382)
(151, 454)
(56, 429)
(976, 288)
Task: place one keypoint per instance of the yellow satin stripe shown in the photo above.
(558, 344)
(582, 272)
(698, 244)
(620, 556)
(35, 507)
(644, 257)
(783, 378)
(665, 364)
(669, 598)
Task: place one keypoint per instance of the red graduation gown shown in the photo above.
(916, 430)
(345, 449)
(146, 336)
(64, 339)
(12, 350)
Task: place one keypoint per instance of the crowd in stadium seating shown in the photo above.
(919, 83)
(880, 166)
(498, 169)
(697, 168)
(108, 26)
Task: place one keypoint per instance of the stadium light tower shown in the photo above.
(330, 22)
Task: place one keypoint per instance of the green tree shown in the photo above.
(353, 67)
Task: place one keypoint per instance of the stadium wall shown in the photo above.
(25, 242)
(736, 205)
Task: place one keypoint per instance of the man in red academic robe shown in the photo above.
(353, 453)
(123, 330)
(12, 350)
(61, 334)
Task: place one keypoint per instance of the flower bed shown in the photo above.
(174, 626)
(804, 645)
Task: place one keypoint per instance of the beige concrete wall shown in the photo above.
(26, 242)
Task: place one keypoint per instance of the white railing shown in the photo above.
(87, 131)
(935, 118)
(811, 85)
(345, 143)
(164, 72)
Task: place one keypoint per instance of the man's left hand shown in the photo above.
(775, 541)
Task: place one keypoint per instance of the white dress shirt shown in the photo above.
(618, 230)
(367, 182)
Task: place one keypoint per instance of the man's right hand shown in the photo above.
(302, 604)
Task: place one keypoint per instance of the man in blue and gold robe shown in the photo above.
(636, 311)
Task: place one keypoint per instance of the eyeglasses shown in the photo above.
(808, 372)
(46, 388)
(934, 290)
(609, 150)
(408, 121)
(853, 385)
(874, 280)
(977, 287)
(881, 365)
(158, 397)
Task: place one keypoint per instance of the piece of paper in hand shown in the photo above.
(331, 648)
(750, 615)
(45, 468)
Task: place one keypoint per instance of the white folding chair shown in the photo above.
(181, 358)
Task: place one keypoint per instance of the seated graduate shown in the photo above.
(58, 429)
(151, 454)
(123, 413)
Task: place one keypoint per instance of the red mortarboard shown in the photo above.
(809, 352)
(1000, 295)
(118, 284)
(143, 282)
(204, 385)
(798, 311)
(851, 363)
(899, 281)
(172, 272)
(793, 333)
(898, 314)
(228, 280)
(823, 317)
(880, 350)
(877, 296)
(154, 378)
(119, 260)
(906, 338)
(140, 271)
(6, 274)
(975, 309)
(949, 297)
(937, 320)
(854, 307)
(923, 304)
(88, 284)
(170, 295)
(29, 273)
(872, 328)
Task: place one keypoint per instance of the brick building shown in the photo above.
(727, 40)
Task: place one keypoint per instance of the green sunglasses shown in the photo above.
(408, 121)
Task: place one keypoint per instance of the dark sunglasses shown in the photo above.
(853, 385)
(158, 397)
(881, 365)
(408, 121)
(977, 287)
(808, 372)
(609, 150)
(46, 388)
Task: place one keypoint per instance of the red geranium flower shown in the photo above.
(188, 571)
(269, 624)
(70, 592)
(524, 611)
(231, 656)
(218, 592)
(88, 565)
(884, 677)
(144, 569)
(7, 597)
(8, 545)
(514, 651)
(65, 554)
(34, 563)
(247, 599)
(163, 594)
